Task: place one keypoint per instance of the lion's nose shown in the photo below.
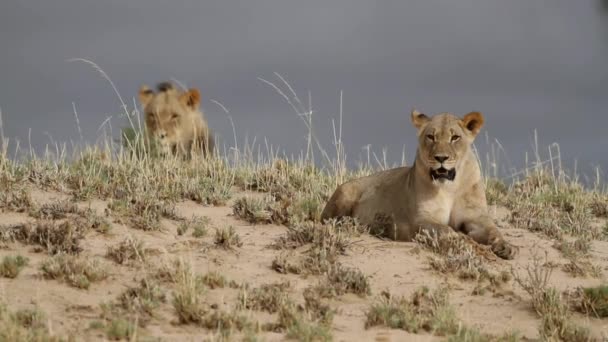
(441, 158)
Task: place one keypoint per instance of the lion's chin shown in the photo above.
(442, 174)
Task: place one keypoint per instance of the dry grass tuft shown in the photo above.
(77, 271)
(553, 206)
(215, 279)
(129, 250)
(227, 238)
(594, 301)
(458, 254)
(198, 225)
(556, 318)
(11, 266)
(268, 297)
(340, 280)
(136, 303)
(24, 325)
(17, 200)
(425, 311)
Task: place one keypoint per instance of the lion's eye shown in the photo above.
(430, 137)
(455, 138)
(174, 116)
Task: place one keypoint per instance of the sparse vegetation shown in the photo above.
(77, 271)
(340, 280)
(144, 212)
(227, 238)
(52, 236)
(556, 322)
(457, 254)
(268, 297)
(138, 303)
(11, 266)
(128, 250)
(253, 210)
(554, 206)
(198, 225)
(120, 329)
(134, 187)
(425, 311)
(215, 280)
(24, 325)
(594, 301)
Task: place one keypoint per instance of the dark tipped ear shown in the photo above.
(473, 122)
(192, 98)
(145, 95)
(419, 119)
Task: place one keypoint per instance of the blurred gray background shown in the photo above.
(525, 64)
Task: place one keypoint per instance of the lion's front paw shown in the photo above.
(504, 249)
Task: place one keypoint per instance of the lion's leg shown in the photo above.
(483, 230)
(341, 202)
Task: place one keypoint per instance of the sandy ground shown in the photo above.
(395, 266)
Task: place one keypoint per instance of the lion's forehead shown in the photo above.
(445, 123)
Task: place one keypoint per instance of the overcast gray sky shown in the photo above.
(524, 64)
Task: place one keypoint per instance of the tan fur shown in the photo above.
(413, 201)
(173, 119)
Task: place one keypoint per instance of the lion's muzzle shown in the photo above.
(443, 174)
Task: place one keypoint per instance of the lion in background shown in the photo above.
(175, 121)
(442, 191)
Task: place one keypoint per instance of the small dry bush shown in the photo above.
(55, 210)
(579, 259)
(188, 299)
(126, 176)
(425, 311)
(325, 243)
(268, 297)
(171, 271)
(198, 225)
(138, 303)
(129, 250)
(553, 206)
(254, 210)
(54, 236)
(66, 209)
(191, 308)
(227, 238)
(303, 233)
(458, 254)
(144, 211)
(77, 271)
(340, 280)
(556, 318)
(13, 199)
(11, 266)
(215, 279)
(24, 325)
(594, 301)
(120, 329)
(303, 323)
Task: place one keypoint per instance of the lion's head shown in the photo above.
(444, 142)
(173, 117)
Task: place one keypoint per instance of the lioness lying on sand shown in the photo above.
(443, 191)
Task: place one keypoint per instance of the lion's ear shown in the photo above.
(192, 98)
(473, 122)
(145, 95)
(419, 119)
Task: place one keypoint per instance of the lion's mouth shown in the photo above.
(443, 173)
